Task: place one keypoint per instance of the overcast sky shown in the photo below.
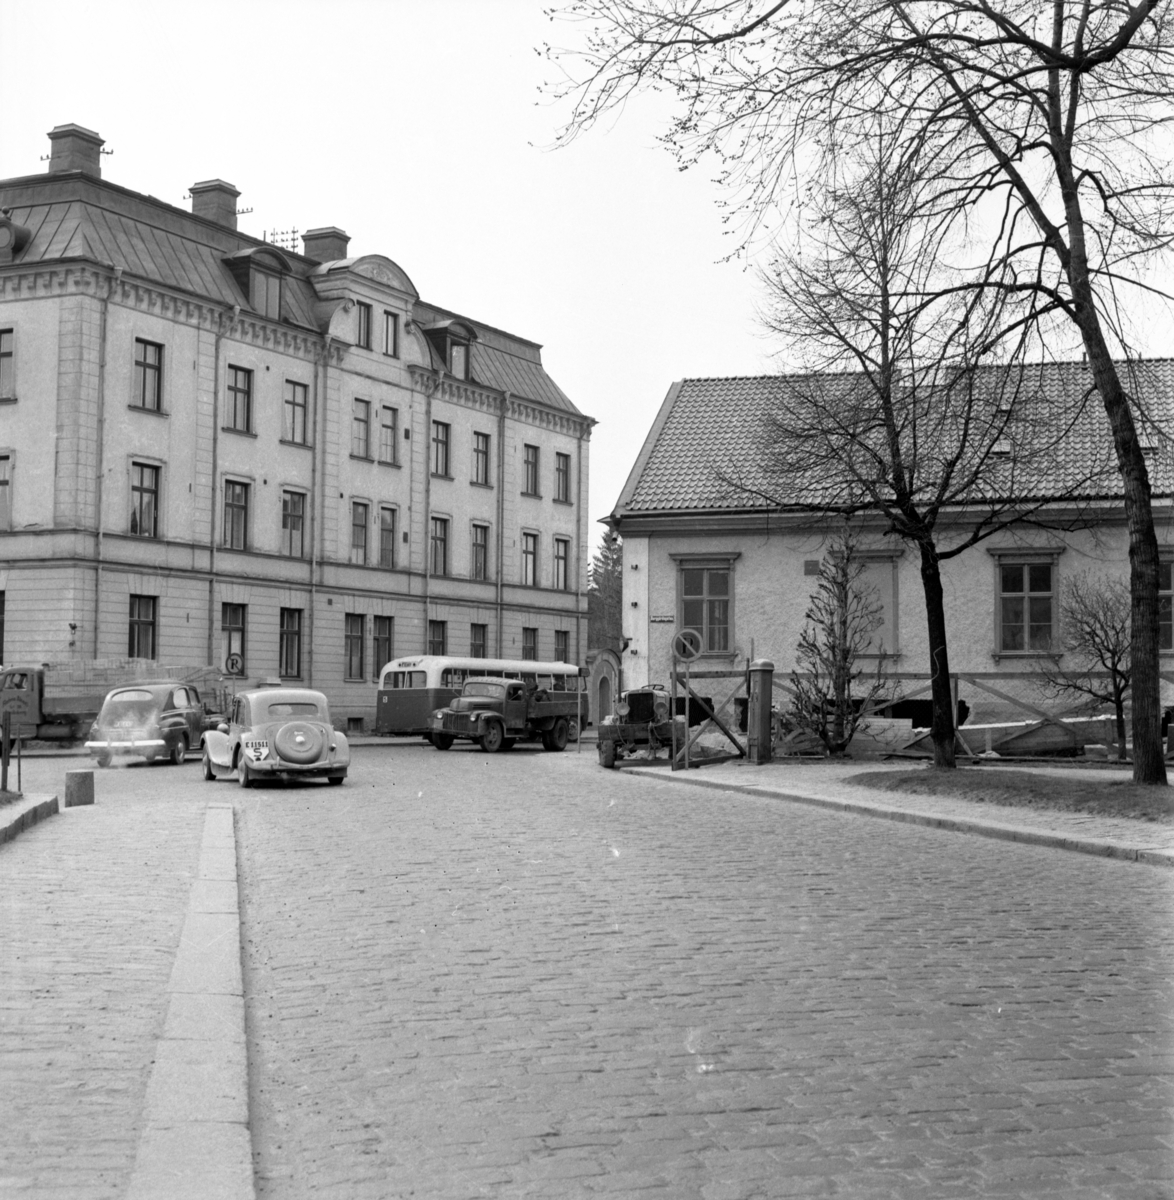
(416, 126)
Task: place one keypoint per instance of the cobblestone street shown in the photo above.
(522, 976)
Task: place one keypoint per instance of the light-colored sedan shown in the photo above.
(277, 733)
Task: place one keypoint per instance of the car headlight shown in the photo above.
(622, 708)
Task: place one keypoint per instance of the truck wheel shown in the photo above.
(607, 754)
(209, 775)
(443, 741)
(243, 775)
(179, 751)
(493, 739)
(572, 729)
(556, 739)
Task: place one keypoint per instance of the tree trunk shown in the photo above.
(942, 730)
(1119, 705)
(1149, 760)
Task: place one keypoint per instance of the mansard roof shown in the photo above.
(709, 430)
(72, 216)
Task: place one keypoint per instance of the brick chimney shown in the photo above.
(215, 200)
(73, 148)
(327, 244)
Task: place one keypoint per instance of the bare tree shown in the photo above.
(1095, 621)
(1041, 123)
(917, 406)
(828, 698)
(605, 596)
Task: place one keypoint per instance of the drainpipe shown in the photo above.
(505, 403)
(580, 520)
(427, 535)
(318, 404)
(111, 284)
(220, 331)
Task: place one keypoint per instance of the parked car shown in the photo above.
(277, 733)
(149, 720)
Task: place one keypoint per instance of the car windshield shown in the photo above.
(496, 690)
(137, 706)
(294, 708)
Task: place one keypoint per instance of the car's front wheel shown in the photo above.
(443, 741)
(209, 774)
(179, 751)
(244, 776)
(103, 760)
(336, 780)
(492, 740)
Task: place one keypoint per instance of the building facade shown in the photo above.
(286, 465)
(699, 554)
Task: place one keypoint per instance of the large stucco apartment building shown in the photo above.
(211, 446)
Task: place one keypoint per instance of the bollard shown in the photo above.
(79, 788)
(758, 725)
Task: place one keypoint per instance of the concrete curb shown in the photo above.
(195, 1142)
(24, 813)
(990, 829)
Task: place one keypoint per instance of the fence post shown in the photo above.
(759, 694)
(5, 749)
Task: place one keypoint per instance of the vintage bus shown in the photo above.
(411, 689)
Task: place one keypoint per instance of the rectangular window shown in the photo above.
(354, 637)
(481, 458)
(440, 446)
(386, 536)
(144, 500)
(5, 491)
(383, 643)
(530, 560)
(364, 325)
(265, 294)
(232, 638)
(478, 641)
(705, 606)
(293, 524)
(359, 534)
(480, 563)
(293, 418)
(239, 408)
(562, 559)
(1025, 606)
(439, 546)
(562, 645)
(438, 637)
(529, 642)
(388, 433)
(7, 364)
(391, 334)
(530, 470)
(289, 648)
(562, 478)
(148, 376)
(458, 359)
(1165, 607)
(142, 641)
(236, 515)
(361, 429)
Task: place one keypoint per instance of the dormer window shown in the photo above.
(452, 341)
(258, 273)
(458, 359)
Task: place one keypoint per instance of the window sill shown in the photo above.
(568, 503)
(1054, 655)
(300, 446)
(387, 462)
(139, 408)
(238, 432)
(478, 483)
(533, 495)
(437, 475)
(362, 458)
(12, 400)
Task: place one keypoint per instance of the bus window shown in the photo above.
(453, 677)
(407, 679)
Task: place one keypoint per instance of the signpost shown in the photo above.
(687, 645)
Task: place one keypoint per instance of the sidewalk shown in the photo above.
(825, 784)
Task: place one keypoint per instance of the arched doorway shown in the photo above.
(603, 707)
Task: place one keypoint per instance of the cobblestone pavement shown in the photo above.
(92, 903)
(521, 976)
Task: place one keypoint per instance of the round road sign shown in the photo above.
(687, 644)
(234, 665)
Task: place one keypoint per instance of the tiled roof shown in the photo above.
(711, 430)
